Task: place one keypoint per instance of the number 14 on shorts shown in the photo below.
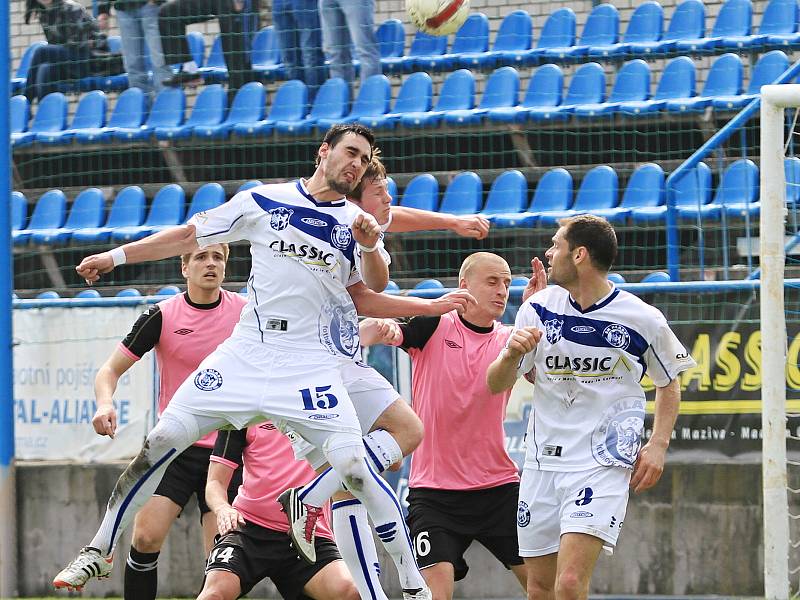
(320, 398)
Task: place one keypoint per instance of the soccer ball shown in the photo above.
(438, 17)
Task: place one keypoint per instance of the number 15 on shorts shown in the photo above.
(319, 398)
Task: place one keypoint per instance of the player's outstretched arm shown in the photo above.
(413, 219)
(379, 331)
(219, 478)
(502, 373)
(650, 462)
(373, 304)
(105, 384)
(170, 242)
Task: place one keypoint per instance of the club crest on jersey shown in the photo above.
(208, 380)
(617, 439)
(617, 336)
(552, 329)
(341, 236)
(338, 329)
(523, 514)
(279, 217)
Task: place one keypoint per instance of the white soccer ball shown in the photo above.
(438, 17)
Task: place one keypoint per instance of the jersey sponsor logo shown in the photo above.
(523, 514)
(452, 344)
(309, 254)
(582, 329)
(271, 427)
(183, 331)
(341, 236)
(338, 328)
(323, 416)
(314, 222)
(279, 217)
(208, 380)
(552, 329)
(617, 438)
(580, 514)
(551, 450)
(617, 336)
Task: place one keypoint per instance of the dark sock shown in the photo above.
(141, 575)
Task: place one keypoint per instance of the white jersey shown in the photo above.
(303, 259)
(588, 407)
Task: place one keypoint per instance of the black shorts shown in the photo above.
(443, 523)
(187, 475)
(252, 553)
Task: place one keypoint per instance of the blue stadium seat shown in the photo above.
(87, 210)
(21, 77)
(645, 188)
(588, 86)
(90, 293)
(656, 277)
(737, 192)
(733, 21)
(457, 93)
(511, 43)
(501, 91)
(89, 114)
(644, 28)
(598, 190)
(421, 192)
(693, 189)
(391, 37)
(168, 290)
(779, 23)
(197, 49)
(215, 69)
(791, 170)
(209, 110)
(768, 68)
(545, 88)
(392, 288)
(470, 39)
(508, 194)
(616, 278)
(372, 100)
(519, 281)
(167, 111)
(415, 96)
(724, 79)
(423, 46)
(49, 213)
(391, 187)
(207, 196)
(288, 106)
(166, 210)
(129, 113)
(677, 81)
(553, 194)
(51, 116)
(128, 293)
(47, 295)
(248, 107)
(331, 102)
(20, 114)
(601, 30)
(19, 211)
(265, 55)
(558, 31)
(109, 83)
(249, 185)
(688, 22)
(429, 284)
(631, 85)
(126, 211)
(463, 196)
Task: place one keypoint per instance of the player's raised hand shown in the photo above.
(523, 341)
(104, 420)
(228, 518)
(649, 466)
(366, 230)
(472, 226)
(379, 331)
(458, 300)
(538, 280)
(95, 265)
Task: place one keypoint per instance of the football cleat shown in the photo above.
(89, 563)
(302, 523)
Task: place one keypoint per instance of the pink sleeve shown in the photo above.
(224, 461)
(121, 347)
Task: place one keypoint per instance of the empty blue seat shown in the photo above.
(693, 189)
(421, 192)
(207, 196)
(373, 100)
(470, 39)
(553, 194)
(677, 81)
(209, 110)
(519, 281)
(49, 213)
(127, 210)
(463, 196)
(429, 284)
(769, 67)
(733, 21)
(391, 38)
(558, 31)
(545, 88)
(265, 55)
(511, 43)
(392, 288)
(423, 46)
(197, 48)
(20, 114)
(631, 85)
(415, 96)
(47, 295)
(87, 210)
(129, 113)
(249, 185)
(90, 293)
(779, 24)
(89, 114)
(51, 116)
(688, 22)
(598, 190)
(457, 93)
(791, 171)
(645, 189)
(644, 28)
(167, 111)
(289, 106)
(248, 106)
(501, 91)
(736, 194)
(21, 77)
(215, 69)
(128, 293)
(168, 290)
(724, 80)
(508, 194)
(331, 102)
(601, 30)
(656, 277)
(19, 211)
(166, 210)
(616, 278)
(587, 86)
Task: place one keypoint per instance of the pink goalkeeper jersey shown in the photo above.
(269, 469)
(187, 335)
(464, 443)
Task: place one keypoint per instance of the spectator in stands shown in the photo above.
(300, 41)
(75, 47)
(175, 15)
(346, 22)
(138, 28)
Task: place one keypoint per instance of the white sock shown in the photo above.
(357, 547)
(189, 67)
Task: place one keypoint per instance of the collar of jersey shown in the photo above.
(302, 189)
(599, 304)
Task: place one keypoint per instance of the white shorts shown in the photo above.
(244, 382)
(553, 503)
